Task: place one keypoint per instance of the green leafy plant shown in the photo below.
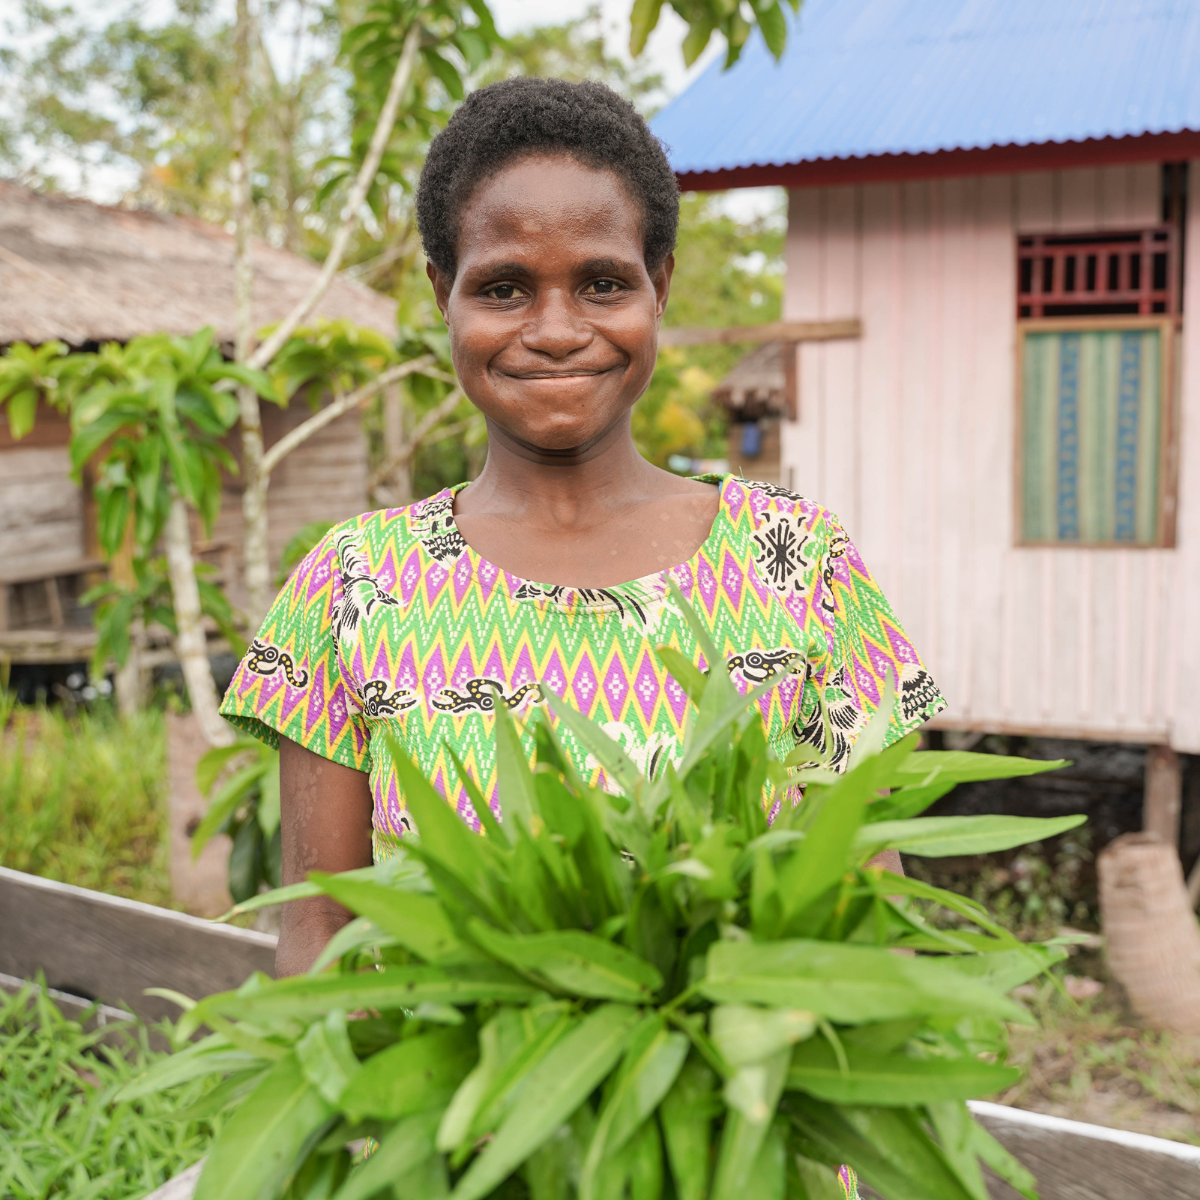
(62, 1132)
(646, 992)
(242, 784)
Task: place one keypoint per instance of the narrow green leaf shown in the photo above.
(517, 799)
(1002, 1162)
(752, 1093)
(746, 1035)
(402, 1149)
(576, 962)
(213, 1056)
(303, 996)
(642, 21)
(682, 670)
(555, 1089)
(414, 1074)
(616, 763)
(886, 1146)
(326, 1057)
(686, 1115)
(221, 807)
(22, 411)
(263, 1143)
(963, 766)
(458, 1117)
(942, 837)
(846, 983)
(417, 922)
(892, 1079)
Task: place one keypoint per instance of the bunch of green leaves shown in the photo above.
(733, 19)
(150, 418)
(242, 785)
(650, 991)
(33, 374)
(63, 1133)
(148, 600)
(332, 353)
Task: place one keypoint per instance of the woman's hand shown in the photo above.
(325, 813)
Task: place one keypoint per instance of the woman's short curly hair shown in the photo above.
(514, 118)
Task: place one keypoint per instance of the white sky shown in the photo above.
(662, 54)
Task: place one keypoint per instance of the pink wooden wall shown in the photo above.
(908, 435)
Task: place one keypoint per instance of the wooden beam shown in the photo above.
(1163, 796)
(776, 331)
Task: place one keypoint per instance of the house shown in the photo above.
(999, 191)
(85, 274)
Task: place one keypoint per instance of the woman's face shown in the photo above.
(553, 316)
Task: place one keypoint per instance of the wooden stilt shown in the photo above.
(1164, 794)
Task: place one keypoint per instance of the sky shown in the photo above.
(662, 55)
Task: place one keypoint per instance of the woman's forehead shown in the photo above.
(550, 201)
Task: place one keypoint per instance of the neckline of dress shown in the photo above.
(614, 598)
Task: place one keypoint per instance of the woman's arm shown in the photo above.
(889, 860)
(325, 813)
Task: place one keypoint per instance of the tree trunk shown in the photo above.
(257, 567)
(1150, 931)
(190, 644)
(396, 489)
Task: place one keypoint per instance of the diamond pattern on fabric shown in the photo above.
(396, 600)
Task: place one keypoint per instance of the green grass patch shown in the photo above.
(61, 1134)
(83, 799)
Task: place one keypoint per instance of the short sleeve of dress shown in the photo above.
(290, 682)
(862, 644)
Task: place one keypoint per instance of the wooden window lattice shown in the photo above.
(1130, 273)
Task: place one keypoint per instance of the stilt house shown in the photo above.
(85, 274)
(998, 190)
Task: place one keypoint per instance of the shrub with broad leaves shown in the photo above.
(649, 991)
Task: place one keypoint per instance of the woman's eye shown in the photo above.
(503, 291)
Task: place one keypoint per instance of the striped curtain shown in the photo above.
(1091, 427)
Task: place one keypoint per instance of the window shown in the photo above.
(1097, 316)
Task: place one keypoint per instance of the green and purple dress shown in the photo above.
(394, 621)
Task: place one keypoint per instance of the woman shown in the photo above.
(548, 214)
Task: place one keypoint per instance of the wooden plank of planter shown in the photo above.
(774, 331)
(1075, 1161)
(100, 947)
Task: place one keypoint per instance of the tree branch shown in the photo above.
(366, 174)
(431, 418)
(343, 404)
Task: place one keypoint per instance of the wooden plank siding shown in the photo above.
(909, 435)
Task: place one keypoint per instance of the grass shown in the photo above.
(82, 799)
(1091, 1061)
(61, 1134)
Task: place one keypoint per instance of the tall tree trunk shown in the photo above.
(396, 489)
(257, 567)
(191, 647)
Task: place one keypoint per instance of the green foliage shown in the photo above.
(334, 354)
(651, 991)
(733, 20)
(62, 1132)
(82, 798)
(242, 785)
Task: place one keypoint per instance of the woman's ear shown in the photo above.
(661, 279)
(441, 290)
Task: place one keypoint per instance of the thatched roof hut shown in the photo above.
(760, 385)
(85, 273)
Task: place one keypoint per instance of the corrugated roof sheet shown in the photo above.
(873, 77)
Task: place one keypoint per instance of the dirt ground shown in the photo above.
(1092, 1060)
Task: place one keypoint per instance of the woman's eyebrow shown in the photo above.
(601, 266)
(510, 270)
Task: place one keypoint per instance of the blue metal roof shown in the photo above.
(874, 77)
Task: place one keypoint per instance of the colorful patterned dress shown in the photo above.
(393, 618)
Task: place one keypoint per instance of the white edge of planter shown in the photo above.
(1117, 1137)
(103, 899)
(104, 1012)
(183, 1186)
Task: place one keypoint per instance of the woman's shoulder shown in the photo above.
(384, 529)
(770, 503)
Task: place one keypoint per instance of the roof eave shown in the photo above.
(941, 164)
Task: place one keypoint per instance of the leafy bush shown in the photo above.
(651, 992)
(62, 1134)
(82, 800)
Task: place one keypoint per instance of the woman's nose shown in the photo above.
(555, 328)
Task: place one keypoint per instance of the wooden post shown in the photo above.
(1163, 795)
